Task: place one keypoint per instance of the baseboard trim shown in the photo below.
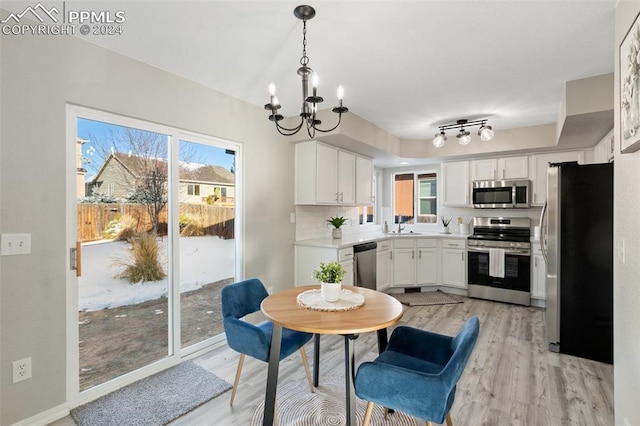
(44, 418)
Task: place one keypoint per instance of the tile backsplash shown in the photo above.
(311, 221)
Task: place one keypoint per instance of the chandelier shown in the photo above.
(309, 103)
(464, 137)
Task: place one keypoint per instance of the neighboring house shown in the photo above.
(199, 183)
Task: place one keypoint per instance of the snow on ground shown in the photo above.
(203, 260)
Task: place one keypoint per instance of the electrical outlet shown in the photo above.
(21, 370)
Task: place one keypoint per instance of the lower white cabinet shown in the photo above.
(454, 263)
(308, 259)
(404, 262)
(538, 273)
(384, 265)
(427, 262)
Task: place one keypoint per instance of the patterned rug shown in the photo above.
(426, 298)
(326, 407)
(155, 400)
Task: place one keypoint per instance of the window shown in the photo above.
(193, 189)
(415, 192)
(366, 214)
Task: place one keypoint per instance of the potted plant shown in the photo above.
(330, 277)
(445, 223)
(337, 222)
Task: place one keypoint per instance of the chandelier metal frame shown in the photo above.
(309, 109)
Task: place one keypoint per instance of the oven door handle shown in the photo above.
(516, 252)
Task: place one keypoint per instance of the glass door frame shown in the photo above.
(175, 353)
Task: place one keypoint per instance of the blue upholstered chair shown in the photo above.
(417, 373)
(243, 298)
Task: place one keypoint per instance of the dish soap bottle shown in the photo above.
(386, 227)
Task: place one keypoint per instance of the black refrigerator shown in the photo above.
(577, 243)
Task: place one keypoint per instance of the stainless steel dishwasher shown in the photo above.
(365, 264)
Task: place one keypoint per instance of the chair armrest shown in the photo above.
(246, 338)
(419, 394)
(421, 344)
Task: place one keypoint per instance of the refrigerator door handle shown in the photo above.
(543, 232)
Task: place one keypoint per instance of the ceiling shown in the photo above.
(406, 66)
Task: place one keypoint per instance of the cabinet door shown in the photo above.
(539, 277)
(404, 267)
(513, 168)
(364, 181)
(454, 268)
(346, 178)
(455, 186)
(427, 266)
(383, 270)
(327, 175)
(484, 169)
(539, 166)
(348, 278)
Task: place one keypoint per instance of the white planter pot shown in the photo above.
(330, 291)
(336, 233)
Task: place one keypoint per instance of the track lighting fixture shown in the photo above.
(464, 136)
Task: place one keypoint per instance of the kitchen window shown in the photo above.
(415, 197)
(366, 214)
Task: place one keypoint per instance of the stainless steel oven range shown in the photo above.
(499, 259)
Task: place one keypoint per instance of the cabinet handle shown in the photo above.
(341, 197)
(494, 173)
(462, 256)
(419, 254)
(390, 255)
(413, 254)
(503, 174)
(534, 197)
(337, 197)
(535, 261)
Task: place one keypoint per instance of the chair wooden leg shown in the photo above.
(275, 413)
(237, 380)
(367, 414)
(305, 362)
(386, 412)
(448, 419)
(429, 423)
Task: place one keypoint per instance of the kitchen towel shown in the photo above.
(496, 263)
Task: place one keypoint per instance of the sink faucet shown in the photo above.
(400, 222)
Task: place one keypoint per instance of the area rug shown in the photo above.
(155, 400)
(326, 407)
(426, 298)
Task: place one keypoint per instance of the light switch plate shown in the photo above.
(13, 244)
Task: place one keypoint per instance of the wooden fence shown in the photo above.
(94, 218)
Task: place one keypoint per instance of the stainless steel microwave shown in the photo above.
(501, 194)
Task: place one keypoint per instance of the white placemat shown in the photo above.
(312, 299)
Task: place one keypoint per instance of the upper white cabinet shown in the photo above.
(364, 181)
(324, 175)
(500, 168)
(455, 183)
(538, 166)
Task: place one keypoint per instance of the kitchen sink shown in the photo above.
(404, 234)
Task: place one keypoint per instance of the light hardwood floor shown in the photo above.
(511, 377)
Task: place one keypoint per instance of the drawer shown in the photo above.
(404, 243)
(453, 243)
(384, 245)
(427, 243)
(345, 254)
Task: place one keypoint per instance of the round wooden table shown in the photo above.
(378, 312)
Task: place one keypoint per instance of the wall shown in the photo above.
(40, 75)
(626, 272)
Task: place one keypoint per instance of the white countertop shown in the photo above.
(354, 239)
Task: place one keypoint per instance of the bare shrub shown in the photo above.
(143, 262)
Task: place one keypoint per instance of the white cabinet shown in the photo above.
(324, 175)
(427, 262)
(455, 183)
(538, 165)
(404, 263)
(500, 168)
(364, 181)
(538, 273)
(454, 263)
(384, 265)
(308, 258)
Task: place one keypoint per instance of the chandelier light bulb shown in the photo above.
(340, 92)
(314, 80)
(486, 133)
(438, 141)
(272, 89)
(465, 139)
(274, 100)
